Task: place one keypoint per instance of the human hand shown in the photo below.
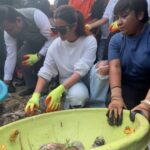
(32, 103)
(115, 108)
(114, 27)
(30, 59)
(53, 100)
(142, 109)
(102, 68)
(115, 111)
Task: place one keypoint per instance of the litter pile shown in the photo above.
(12, 109)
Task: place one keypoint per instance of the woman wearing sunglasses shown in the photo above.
(70, 56)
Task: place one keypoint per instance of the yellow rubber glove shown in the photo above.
(114, 27)
(30, 59)
(33, 103)
(88, 27)
(53, 100)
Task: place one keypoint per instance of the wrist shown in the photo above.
(116, 92)
(118, 100)
(115, 87)
(36, 94)
(62, 88)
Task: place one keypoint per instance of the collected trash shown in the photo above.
(99, 141)
(75, 145)
(129, 130)
(3, 147)
(13, 136)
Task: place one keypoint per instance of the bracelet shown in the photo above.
(147, 102)
(116, 87)
(116, 97)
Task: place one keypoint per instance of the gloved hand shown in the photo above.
(88, 27)
(114, 27)
(53, 100)
(52, 33)
(142, 109)
(115, 108)
(30, 59)
(32, 103)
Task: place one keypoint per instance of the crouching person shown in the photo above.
(70, 56)
(27, 38)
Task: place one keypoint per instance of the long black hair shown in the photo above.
(71, 16)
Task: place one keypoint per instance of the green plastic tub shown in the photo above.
(76, 125)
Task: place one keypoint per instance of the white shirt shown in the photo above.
(43, 24)
(148, 3)
(108, 13)
(65, 58)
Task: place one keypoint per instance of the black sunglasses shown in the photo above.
(61, 29)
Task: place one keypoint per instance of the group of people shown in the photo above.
(44, 50)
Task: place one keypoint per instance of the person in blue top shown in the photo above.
(129, 60)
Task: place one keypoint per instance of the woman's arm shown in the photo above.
(143, 108)
(99, 22)
(40, 85)
(115, 73)
(116, 105)
(75, 77)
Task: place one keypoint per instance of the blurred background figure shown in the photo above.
(43, 5)
(27, 39)
(58, 3)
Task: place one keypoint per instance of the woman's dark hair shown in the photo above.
(71, 16)
(8, 13)
(135, 5)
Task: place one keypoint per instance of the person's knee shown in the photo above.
(77, 95)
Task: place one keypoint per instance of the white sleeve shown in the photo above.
(10, 62)
(148, 2)
(43, 24)
(109, 10)
(49, 68)
(88, 58)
